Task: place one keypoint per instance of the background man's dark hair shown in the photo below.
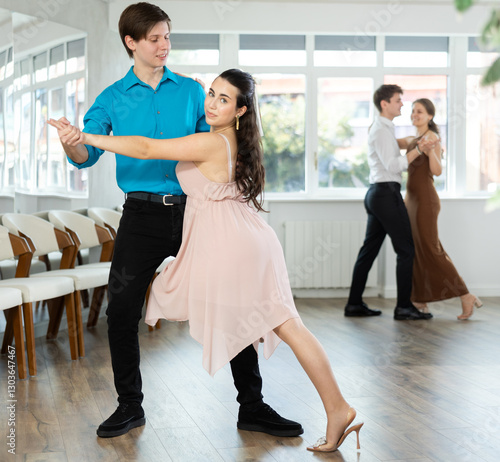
(385, 93)
(138, 19)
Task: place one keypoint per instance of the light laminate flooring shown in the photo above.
(426, 390)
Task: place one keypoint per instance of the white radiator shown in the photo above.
(321, 254)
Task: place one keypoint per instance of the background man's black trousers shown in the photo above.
(386, 215)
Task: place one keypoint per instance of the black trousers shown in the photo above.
(148, 233)
(386, 215)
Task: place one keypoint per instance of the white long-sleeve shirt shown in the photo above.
(384, 157)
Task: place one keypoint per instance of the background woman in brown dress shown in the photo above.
(434, 275)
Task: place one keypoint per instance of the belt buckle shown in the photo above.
(167, 195)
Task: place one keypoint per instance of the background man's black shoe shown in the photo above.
(360, 310)
(410, 314)
(264, 418)
(126, 417)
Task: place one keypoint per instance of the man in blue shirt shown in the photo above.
(154, 102)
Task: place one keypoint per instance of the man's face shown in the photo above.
(392, 108)
(152, 51)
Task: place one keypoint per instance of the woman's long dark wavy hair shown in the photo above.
(249, 173)
(431, 110)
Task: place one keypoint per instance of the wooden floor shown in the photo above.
(426, 390)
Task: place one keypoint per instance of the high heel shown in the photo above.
(468, 307)
(322, 445)
(422, 307)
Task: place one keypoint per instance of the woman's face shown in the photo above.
(220, 104)
(419, 116)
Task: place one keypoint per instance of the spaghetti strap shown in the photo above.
(229, 161)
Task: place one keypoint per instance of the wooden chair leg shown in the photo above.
(56, 311)
(72, 324)
(148, 292)
(17, 323)
(85, 298)
(79, 325)
(9, 332)
(95, 307)
(30, 337)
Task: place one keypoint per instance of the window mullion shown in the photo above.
(311, 132)
(457, 114)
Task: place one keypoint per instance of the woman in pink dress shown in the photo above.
(229, 278)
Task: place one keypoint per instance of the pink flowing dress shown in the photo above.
(229, 278)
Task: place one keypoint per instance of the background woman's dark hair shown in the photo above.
(431, 110)
(385, 93)
(249, 173)
(138, 19)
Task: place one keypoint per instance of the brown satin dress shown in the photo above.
(434, 275)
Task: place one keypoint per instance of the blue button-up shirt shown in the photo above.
(131, 107)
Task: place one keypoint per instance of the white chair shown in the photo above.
(44, 238)
(8, 267)
(10, 303)
(111, 219)
(107, 218)
(34, 290)
(87, 235)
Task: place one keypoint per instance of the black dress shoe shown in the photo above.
(264, 418)
(409, 314)
(126, 417)
(360, 310)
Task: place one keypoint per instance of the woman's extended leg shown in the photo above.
(312, 357)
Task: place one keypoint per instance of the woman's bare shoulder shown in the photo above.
(432, 136)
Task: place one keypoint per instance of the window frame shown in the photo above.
(49, 84)
(456, 73)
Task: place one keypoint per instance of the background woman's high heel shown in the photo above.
(422, 307)
(468, 306)
(322, 446)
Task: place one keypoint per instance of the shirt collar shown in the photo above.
(131, 79)
(385, 121)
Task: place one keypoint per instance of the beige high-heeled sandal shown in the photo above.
(468, 307)
(422, 307)
(322, 445)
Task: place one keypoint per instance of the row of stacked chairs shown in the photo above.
(41, 261)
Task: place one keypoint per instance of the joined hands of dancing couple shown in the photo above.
(231, 111)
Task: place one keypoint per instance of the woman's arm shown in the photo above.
(404, 142)
(198, 147)
(432, 149)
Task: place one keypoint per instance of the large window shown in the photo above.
(272, 50)
(477, 56)
(344, 115)
(344, 51)
(482, 136)
(316, 102)
(7, 147)
(194, 49)
(416, 51)
(47, 84)
(282, 107)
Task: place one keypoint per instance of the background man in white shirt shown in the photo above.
(386, 210)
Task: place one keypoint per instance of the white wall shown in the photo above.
(468, 234)
(348, 17)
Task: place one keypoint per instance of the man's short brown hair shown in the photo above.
(138, 19)
(385, 93)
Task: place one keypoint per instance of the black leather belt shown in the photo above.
(167, 199)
